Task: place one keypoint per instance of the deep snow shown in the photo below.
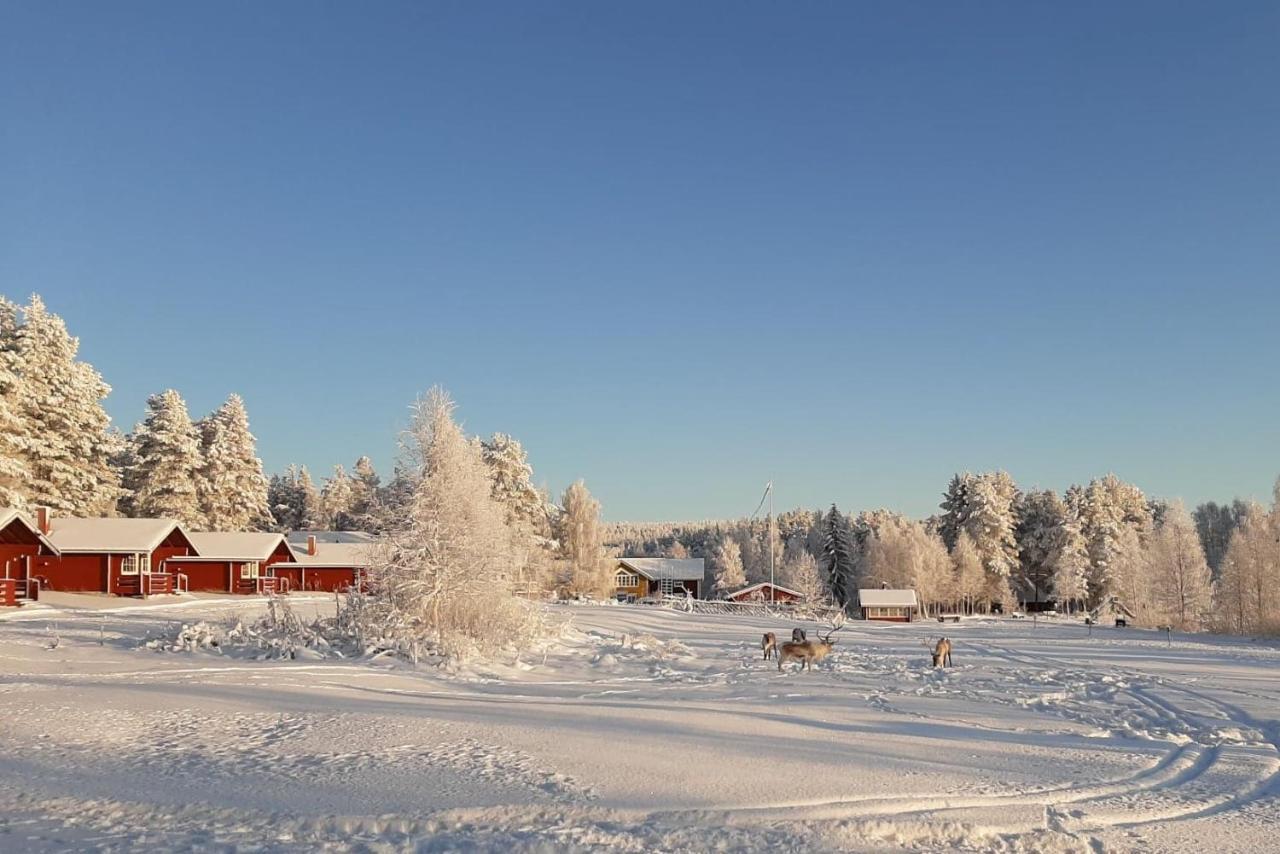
(640, 729)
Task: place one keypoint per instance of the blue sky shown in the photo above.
(677, 249)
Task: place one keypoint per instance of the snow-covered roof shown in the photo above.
(8, 515)
(746, 591)
(886, 598)
(296, 537)
(113, 535)
(334, 555)
(222, 545)
(665, 568)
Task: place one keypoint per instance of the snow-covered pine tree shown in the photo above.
(840, 559)
(1179, 574)
(513, 487)
(165, 458)
(1214, 523)
(727, 563)
(233, 490)
(991, 521)
(445, 574)
(364, 498)
(580, 542)
(1105, 509)
(312, 514)
(336, 500)
(14, 474)
(955, 508)
(284, 498)
(68, 442)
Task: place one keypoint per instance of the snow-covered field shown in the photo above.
(641, 730)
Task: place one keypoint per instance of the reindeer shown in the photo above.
(942, 653)
(807, 651)
(797, 636)
(769, 643)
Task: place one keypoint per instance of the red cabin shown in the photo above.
(234, 563)
(125, 557)
(21, 547)
(765, 592)
(325, 566)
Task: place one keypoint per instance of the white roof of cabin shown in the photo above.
(222, 545)
(113, 535)
(661, 568)
(334, 555)
(300, 537)
(880, 598)
(760, 586)
(8, 515)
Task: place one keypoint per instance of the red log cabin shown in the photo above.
(21, 547)
(125, 557)
(765, 592)
(325, 566)
(234, 563)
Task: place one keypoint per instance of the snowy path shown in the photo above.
(644, 730)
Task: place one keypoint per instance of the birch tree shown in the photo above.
(580, 542)
(727, 561)
(1179, 574)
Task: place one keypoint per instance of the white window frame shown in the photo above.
(129, 565)
(627, 579)
(250, 570)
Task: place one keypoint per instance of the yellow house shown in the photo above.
(638, 577)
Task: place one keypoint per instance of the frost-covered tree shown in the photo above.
(1051, 549)
(970, 577)
(294, 500)
(364, 493)
(1248, 590)
(727, 565)
(165, 466)
(580, 542)
(513, 487)
(312, 516)
(1179, 574)
(68, 444)
(445, 574)
(1106, 509)
(336, 499)
(232, 488)
(840, 559)
(907, 555)
(14, 438)
(800, 573)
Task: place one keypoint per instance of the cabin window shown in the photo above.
(129, 565)
(627, 579)
(249, 570)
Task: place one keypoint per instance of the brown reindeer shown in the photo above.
(769, 643)
(942, 653)
(807, 652)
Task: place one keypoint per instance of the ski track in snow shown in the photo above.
(642, 730)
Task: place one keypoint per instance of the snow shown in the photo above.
(237, 545)
(635, 729)
(69, 534)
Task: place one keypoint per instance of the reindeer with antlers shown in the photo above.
(809, 651)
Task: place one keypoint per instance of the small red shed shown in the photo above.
(125, 557)
(233, 562)
(21, 545)
(765, 592)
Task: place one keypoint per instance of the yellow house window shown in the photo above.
(627, 579)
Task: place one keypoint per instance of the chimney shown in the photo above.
(42, 519)
(311, 544)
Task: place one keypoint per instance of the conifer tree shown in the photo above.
(840, 560)
(14, 438)
(233, 489)
(165, 462)
(68, 442)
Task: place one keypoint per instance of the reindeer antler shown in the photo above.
(836, 625)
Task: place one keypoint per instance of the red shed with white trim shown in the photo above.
(326, 566)
(21, 544)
